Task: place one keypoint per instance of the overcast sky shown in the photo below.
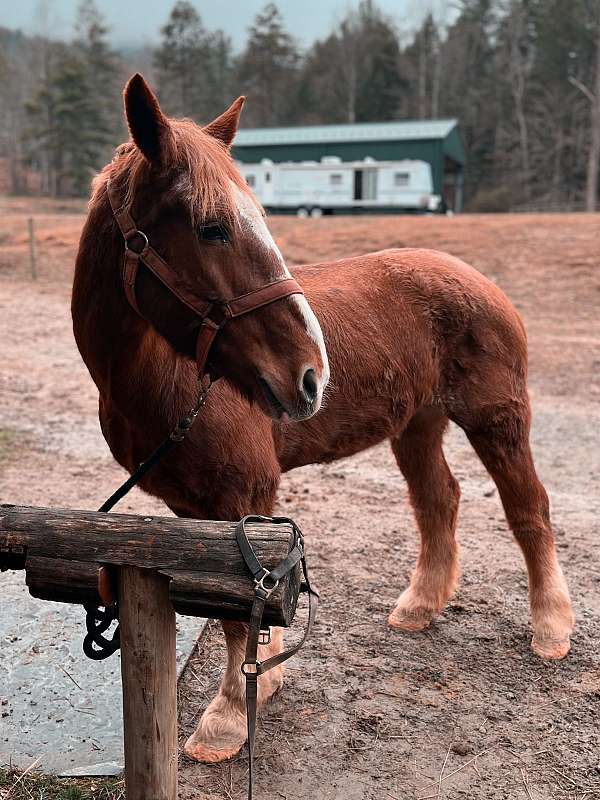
(137, 22)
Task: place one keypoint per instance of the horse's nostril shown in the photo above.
(310, 386)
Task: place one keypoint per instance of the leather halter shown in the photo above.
(213, 314)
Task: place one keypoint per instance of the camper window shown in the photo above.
(335, 179)
(267, 177)
(250, 180)
(401, 179)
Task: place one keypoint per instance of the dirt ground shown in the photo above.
(463, 710)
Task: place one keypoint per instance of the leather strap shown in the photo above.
(206, 336)
(266, 582)
(96, 620)
(130, 270)
(229, 309)
(283, 287)
(150, 258)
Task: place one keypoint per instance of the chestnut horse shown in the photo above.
(415, 338)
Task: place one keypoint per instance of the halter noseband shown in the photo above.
(213, 314)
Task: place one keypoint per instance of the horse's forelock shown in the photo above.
(205, 175)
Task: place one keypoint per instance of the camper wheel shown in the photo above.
(302, 212)
(316, 212)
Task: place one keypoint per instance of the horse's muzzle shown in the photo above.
(303, 405)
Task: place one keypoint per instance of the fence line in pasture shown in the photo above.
(550, 207)
(32, 248)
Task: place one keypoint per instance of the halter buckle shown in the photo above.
(246, 671)
(259, 583)
(264, 636)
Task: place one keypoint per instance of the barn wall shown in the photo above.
(453, 147)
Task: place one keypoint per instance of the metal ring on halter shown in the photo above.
(260, 584)
(133, 235)
(256, 664)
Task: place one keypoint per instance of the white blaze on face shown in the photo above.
(316, 334)
(255, 225)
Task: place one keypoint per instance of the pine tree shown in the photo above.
(320, 95)
(101, 68)
(66, 126)
(268, 69)
(220, 74)
(354, 75)
(380, 86)
(79, 131)
(183, 63)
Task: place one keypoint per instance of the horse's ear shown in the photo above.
(149, 128)
(225, 127)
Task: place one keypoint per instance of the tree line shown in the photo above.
(521, 76)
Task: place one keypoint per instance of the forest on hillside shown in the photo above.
(521, 76)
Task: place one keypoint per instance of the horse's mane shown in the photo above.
(206, 173)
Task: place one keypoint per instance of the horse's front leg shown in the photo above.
(222, 730)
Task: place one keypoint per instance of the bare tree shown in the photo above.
(593, 161)
(519, 68)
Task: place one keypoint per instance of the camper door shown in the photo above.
(365, 184)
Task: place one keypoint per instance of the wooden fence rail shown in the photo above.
(161, 563)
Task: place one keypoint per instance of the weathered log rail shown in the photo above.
(160, 564)
(61, 551)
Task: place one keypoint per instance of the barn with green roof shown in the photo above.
(436, 141)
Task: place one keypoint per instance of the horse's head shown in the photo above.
(194, 207)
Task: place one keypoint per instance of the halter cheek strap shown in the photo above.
(212, 314)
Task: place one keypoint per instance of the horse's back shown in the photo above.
(409, 272)
(413, 327)
(436, 293)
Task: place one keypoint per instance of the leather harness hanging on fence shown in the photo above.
(212, 315)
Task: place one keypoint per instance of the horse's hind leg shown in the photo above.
(434, 495)
(500, 437)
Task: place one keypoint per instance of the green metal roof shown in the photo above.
(412, 130)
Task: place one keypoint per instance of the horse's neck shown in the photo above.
(136, 371)
(144, 380)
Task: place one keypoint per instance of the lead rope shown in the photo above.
(97, 619)
(265, 583)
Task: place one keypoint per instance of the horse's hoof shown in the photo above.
(220, 735)
(198, 751)
(551, 649)
(410, 620)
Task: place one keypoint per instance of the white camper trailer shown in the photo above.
(333, 186)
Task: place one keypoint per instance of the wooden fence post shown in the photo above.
(162, 563)
(149, 677)
(32, 248)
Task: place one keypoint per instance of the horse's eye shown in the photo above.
(213, 233)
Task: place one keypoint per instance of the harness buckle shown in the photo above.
(264, 636)
(246, 671)
(259, 583)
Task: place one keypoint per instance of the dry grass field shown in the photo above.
(463, 710)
